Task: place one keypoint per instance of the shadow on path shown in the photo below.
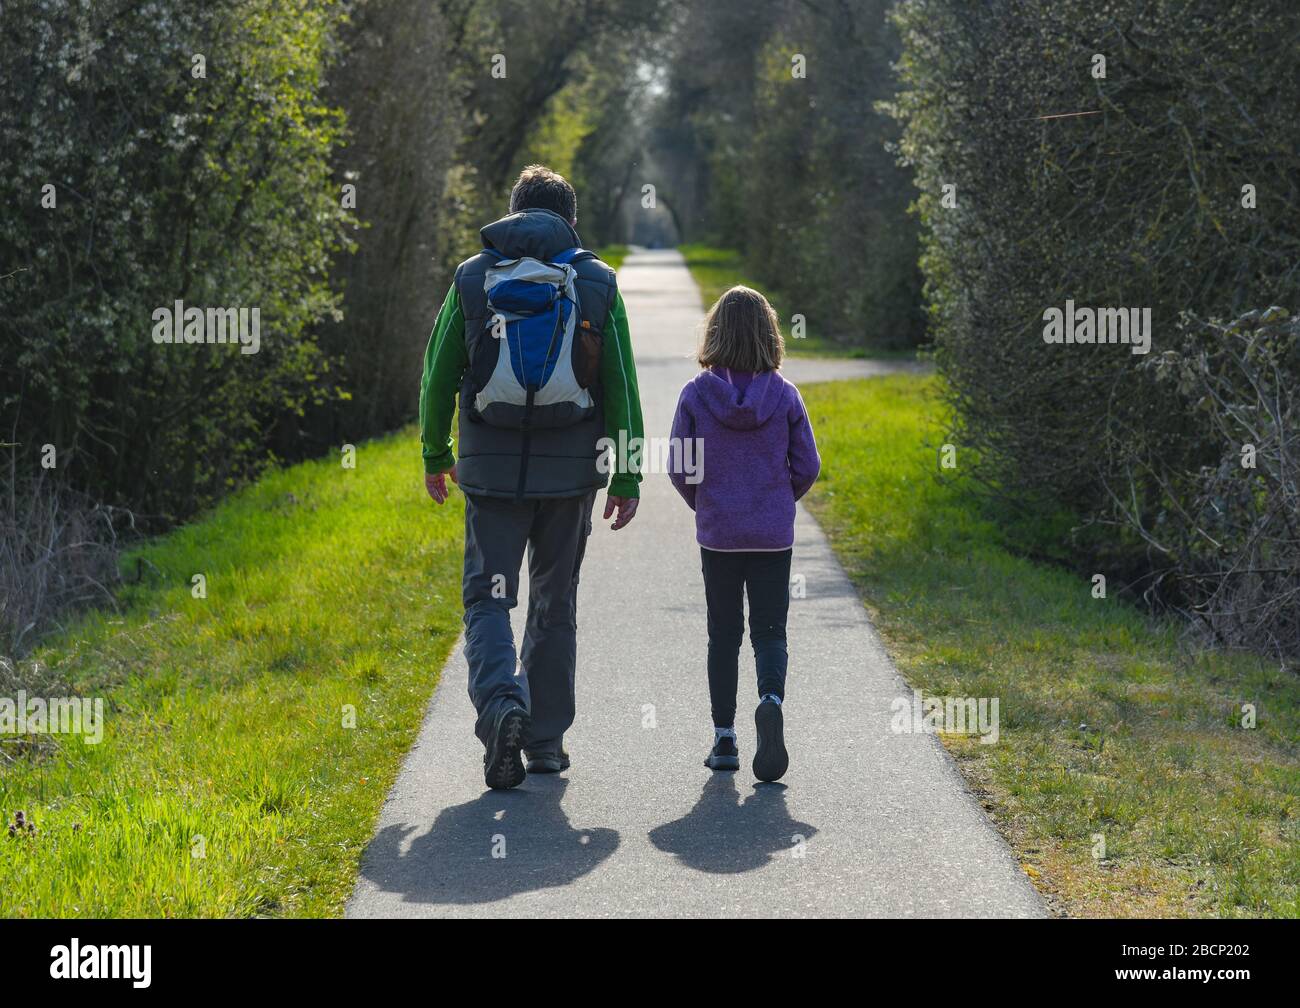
(454, 862)
(725, 835)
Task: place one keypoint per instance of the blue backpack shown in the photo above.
(527, 353)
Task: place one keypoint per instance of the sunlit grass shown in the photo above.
(1110, 725)
(612, 255)
(327, 589)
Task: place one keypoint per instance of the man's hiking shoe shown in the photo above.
(548, 762)
(502, 766)
(724, 755)
(770, 758)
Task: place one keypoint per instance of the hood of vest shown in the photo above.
(537, 233)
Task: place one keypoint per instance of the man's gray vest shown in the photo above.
(561, 461)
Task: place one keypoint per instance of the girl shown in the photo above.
(756, 456)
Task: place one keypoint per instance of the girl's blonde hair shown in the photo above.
(741, 332)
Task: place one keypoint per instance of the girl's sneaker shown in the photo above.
(724, 755)
(770, 758)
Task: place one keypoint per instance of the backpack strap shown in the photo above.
(573, 255)
(577, 255)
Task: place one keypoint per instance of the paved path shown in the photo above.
(638, 827)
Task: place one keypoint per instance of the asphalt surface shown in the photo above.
(867, 822)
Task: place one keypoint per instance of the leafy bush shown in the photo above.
(1124, 190)
(213, 190)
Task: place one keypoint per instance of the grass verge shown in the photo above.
(612, 255)
(228, 782)
(1111, 732)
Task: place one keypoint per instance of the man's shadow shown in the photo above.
(724, 835)
(499, 844)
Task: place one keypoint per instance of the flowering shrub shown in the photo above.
(152, 153)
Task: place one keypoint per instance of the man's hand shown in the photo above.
(436, 484)
(626, 510)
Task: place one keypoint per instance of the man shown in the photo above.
(527, 485)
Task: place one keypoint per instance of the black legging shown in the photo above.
(765, 577)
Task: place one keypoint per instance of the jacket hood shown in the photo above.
(754, 408)
(537, 233)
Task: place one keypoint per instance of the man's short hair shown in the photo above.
(539, 188)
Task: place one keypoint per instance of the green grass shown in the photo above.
(1109, 725)
(326, 587)
(716, 270)
(613, 255)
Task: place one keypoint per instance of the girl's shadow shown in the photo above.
(724, 835)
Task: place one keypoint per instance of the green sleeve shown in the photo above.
(622, 401)
(445, 361)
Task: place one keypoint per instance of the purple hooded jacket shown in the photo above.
(755, 452)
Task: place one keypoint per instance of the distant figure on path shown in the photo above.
(760, 459)
(533, 338)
